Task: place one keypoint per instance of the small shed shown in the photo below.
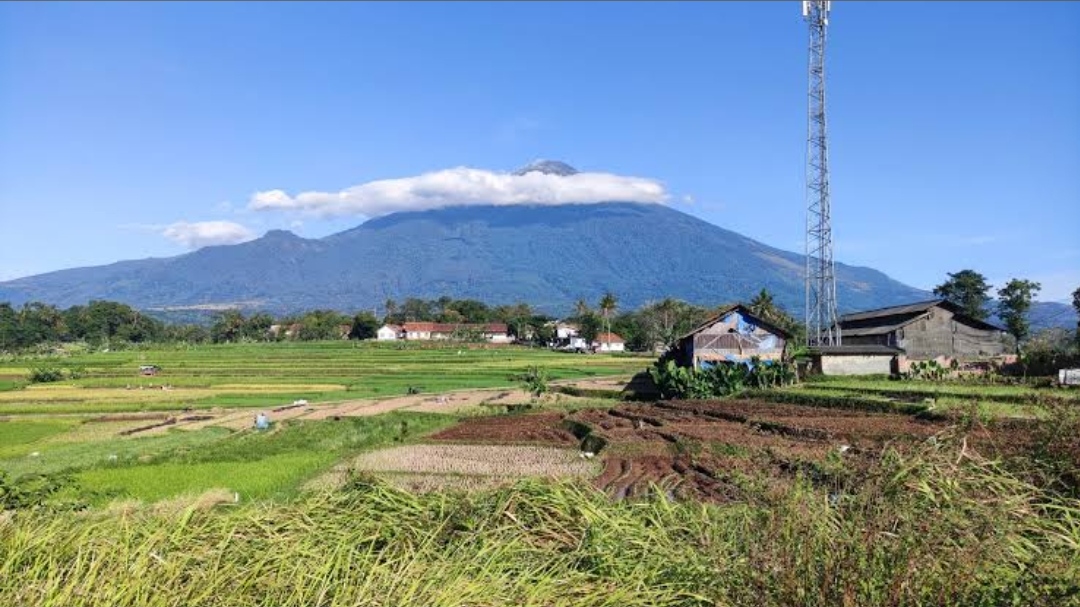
(734, 335)
(873, 359)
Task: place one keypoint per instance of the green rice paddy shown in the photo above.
(258, 375)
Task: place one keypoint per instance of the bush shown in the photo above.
(722, 379)
(534, 380)
(43, 375)
(928, 370)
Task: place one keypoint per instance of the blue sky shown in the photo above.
(955, 127)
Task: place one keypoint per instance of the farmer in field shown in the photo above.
(262, 422)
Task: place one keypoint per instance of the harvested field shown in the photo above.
(435, 467)
(544, 428)
(707, 449)
(482, 460)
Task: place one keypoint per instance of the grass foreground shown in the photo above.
(938, 528)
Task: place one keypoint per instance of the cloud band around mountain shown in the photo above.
(464, 186)
(206, 233)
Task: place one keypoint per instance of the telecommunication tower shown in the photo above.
(821, 320)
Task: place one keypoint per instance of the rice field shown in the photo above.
(253, 375)
(255, 464)
(945, 397)
(480, 460)
(275, 476)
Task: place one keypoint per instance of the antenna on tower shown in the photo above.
(821, 320)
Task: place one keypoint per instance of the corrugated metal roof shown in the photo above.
(746, 312)
(914, 311)
(867, 331)
(912, 308)
(856, 350)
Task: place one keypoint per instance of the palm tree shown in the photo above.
(391, 309)
(581, 308)
(763, 305)
(607, 305)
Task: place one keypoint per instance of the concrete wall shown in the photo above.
(855, 364)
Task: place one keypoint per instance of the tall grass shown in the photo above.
(941, 527)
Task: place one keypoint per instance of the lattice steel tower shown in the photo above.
(821, 327)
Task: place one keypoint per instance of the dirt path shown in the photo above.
(447, 402)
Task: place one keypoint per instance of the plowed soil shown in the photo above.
(539, 428)
(710, 449)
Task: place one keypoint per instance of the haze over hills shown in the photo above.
(547, 255)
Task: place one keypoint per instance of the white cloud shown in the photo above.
(464, 186)
(206, 233)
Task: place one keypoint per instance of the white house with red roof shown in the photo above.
(493, 332)
(609, 342)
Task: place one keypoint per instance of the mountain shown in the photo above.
(547, 255)
(547, 167)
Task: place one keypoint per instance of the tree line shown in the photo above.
(653, 326)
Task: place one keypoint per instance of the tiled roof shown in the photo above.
(445, 327)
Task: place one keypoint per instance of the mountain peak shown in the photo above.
(547, 167)
(280, 235)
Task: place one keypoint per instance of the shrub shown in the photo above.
(42, 375)
(928, 370)
(721, 379)
(534, 380)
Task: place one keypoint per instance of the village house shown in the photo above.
(887, 340)
(290, 332)
(495, 332)
(566, 330)
(389, 333)
(733, 335)
(567, 336)
(609, 342)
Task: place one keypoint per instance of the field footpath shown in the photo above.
(443, 402)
